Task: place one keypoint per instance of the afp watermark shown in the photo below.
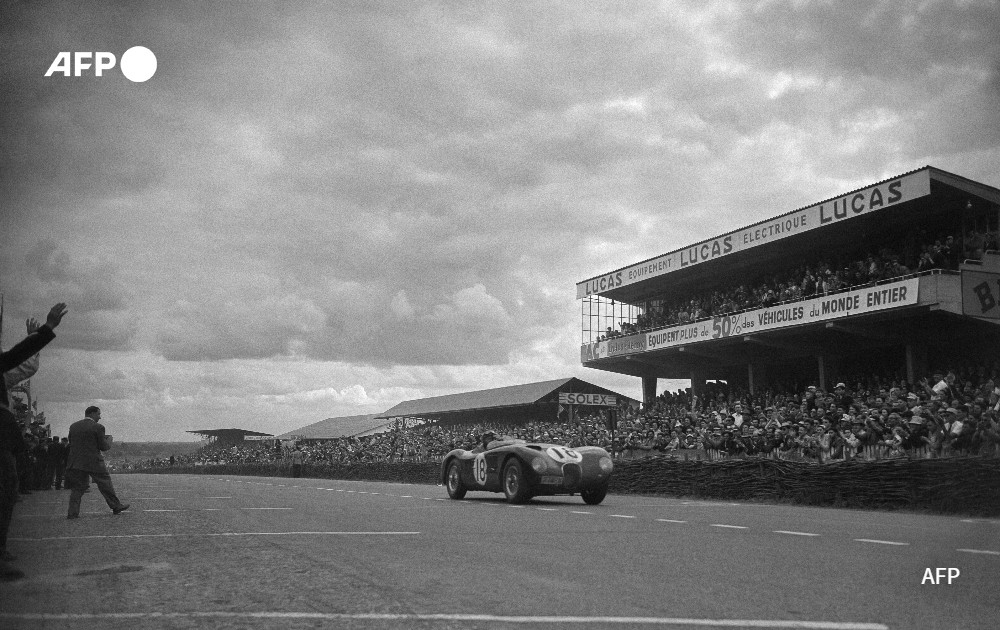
(138, 64)
(939, 574)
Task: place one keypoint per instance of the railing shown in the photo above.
(639, 331)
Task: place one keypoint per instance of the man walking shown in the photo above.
(87, 441)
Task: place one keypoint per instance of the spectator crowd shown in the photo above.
(807, 281)
(953, 412)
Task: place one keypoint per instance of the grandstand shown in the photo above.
(546, 401)
(227, 438)
(901, 274)
(334, 428)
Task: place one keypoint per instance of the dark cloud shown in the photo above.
(411, 190)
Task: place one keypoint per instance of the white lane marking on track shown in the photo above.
(216, 535)
(782, 531)
(267, 508)
(985, 551)
(405, 496)
(980, 520)
(548, 509)
(727, 526)
(578, 512)
(155, 499)
(620, 516)
(526, 619)
(669, 520)
(881, 542)
(189, 510)
(218, 497)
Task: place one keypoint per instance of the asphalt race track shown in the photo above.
(249, 552)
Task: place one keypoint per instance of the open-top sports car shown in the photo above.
(522, 470)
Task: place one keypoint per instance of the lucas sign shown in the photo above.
(865, 201)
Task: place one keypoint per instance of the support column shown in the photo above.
(821, 365)
(755, 377)
(697, 383)
(916, 361)
(648, 389)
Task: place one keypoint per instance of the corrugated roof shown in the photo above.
(483, 399)
(218, 432)
(336, 427)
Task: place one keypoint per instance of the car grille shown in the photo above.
(572, 474)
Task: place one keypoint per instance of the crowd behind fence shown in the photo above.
(953, 412)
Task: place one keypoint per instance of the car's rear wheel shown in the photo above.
(456, 489)
(515, 484)
(593, 496)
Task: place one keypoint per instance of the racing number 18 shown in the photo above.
(479, 468)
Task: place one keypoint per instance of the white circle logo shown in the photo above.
(138, 64)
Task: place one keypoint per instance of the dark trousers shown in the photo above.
(8, 494)
(23, 473)
(60, 471)
(78, 481)
(296, 470)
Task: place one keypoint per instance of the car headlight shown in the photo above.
(538, 464)
(605, 464)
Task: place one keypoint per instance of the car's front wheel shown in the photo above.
(456, 489)
(593, 496)
(515, 484)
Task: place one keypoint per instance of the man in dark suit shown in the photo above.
(87, 442)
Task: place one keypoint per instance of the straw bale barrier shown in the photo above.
(959, 485)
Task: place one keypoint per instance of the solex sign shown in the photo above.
(604, 400)
(138, 64)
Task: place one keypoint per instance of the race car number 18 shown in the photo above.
(562, 454)
(479, 469)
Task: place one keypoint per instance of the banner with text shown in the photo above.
(981, 294)
(605, 400)
(856, 302)
(889, 193)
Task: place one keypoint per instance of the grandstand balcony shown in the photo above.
(909, 319)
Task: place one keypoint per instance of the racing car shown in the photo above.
(522, 470)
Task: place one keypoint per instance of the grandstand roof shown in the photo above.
(227, 432)
(331, 428)
(912, 196)
(501, 397)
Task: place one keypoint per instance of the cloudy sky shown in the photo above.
(315, 210)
